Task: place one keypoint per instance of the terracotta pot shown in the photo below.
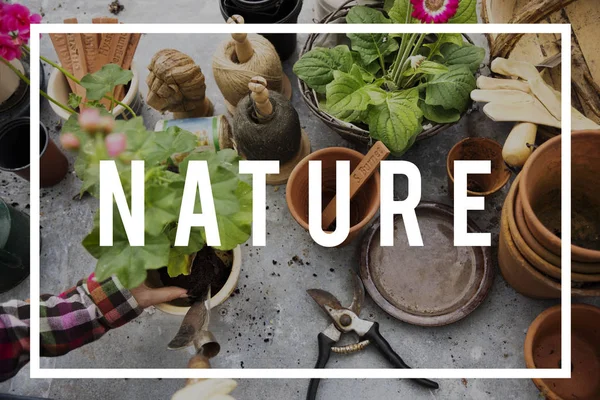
(14, 153)
(520, 274)
(582, 268)
(543, 350)
(476, 148)
(363, 206)
(181, 306)
(59, 89)
(540, 195)
(530, 255)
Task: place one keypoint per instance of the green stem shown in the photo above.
(77, 81)
(415, 49)
(404, 58)
(28, 82)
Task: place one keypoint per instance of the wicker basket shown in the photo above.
(348, 131)
(583, 15)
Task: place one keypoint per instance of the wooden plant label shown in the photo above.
(358, 177)
(59, 41)
(134, 40)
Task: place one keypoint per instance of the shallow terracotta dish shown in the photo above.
(436, 284)
(476, 148)
(540, 195)
(520, 274)
(363, 206)
(583, 268)
(543, 350)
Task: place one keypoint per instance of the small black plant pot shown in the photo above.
(14, 247)
(14, 152)
(268, 12)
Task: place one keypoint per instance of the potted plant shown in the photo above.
(96, 135)
(15, 20)
(14, 246)
(396, 88)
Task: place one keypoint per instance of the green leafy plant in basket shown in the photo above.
(397, 83)
(96, 136)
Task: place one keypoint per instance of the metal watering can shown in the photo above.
(14, 247)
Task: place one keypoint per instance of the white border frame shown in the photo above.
(564, 372)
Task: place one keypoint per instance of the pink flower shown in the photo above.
(436, 11)
(69, 141)
(91, 121)
(9, 49)
(116, 143)
(16, 17)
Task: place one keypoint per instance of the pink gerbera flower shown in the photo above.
(436, 11)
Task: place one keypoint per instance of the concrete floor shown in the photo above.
(272, 322)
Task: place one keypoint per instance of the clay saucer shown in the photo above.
(286, 91)
(433, 285)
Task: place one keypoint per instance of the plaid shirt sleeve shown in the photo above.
(76, 317)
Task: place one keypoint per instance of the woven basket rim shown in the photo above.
(346, 129)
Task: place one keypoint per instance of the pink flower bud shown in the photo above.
(107, 124)
(116, 143)
(69, 141)
(90, 120)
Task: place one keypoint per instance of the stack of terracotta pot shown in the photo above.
(530, 230)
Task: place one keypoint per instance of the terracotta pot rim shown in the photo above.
(516, 255)
(585, 269)
(218, 298)
(530, 255)
(530, 336)
(23, 121)
(314, 156)
(580, 253)
(451, 176)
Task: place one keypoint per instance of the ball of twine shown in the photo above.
(232, 77)
(275, 137)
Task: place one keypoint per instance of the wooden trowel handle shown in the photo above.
(365, 169)
(198, 361)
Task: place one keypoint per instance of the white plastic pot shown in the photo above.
(9, 81)
(217, 299)
(59, 89)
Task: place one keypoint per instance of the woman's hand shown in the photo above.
(147, 297)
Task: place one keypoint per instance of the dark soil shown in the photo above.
(208, 269)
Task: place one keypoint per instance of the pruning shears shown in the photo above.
(346, 320)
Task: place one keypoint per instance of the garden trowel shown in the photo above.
(194, 331)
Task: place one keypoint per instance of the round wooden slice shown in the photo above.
(286, 90)
(431, 285)
(286, 169)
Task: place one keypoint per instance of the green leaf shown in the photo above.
(370, 46)
(427, 68)
(399, 12)
(232, 194)
(396, 121)
(162, 203)
(74, 100)
(349, 95)
(179, 256)
(128, 263)
(466, 13)
(105, 80)
(158, 147)
(469, 55)
(439, 114)
(451, 89)
(435, 48)
(316, 67)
